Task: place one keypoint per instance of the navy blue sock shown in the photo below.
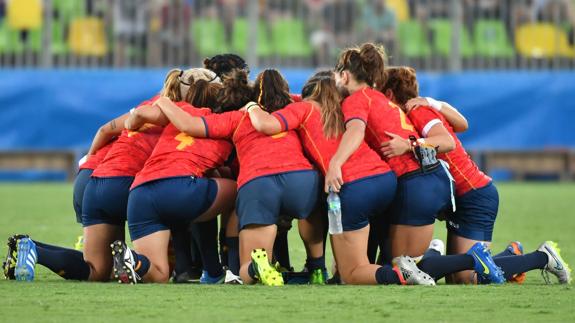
(46, 246)
(281, 250)
(181, 241)
(233, 254)
(315, 263)
(504, 253)
(67, 263)
(142, 264)
(206, 236)
(222, 239)
(431, 253)
(440, 266)
(513, 265)
(385, 275)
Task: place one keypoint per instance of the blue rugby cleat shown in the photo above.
(209, 280)
(27, 256)
(9, 264)
(484, 264)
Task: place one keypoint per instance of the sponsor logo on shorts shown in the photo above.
(453, 225)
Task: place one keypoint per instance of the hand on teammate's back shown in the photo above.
(396, 146)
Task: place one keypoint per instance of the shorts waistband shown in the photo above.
(419, 171)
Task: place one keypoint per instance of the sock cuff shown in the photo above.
(315, 263)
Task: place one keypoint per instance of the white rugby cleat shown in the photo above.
(555, 265)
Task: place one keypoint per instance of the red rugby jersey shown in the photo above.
(129, 153)
(258, 154)
(465, 172)
(296, 97)
(380, 115)
(178, 154)
(94, 160)
(305, 118)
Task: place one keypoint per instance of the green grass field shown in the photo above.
(530, 213)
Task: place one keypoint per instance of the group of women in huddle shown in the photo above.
(212, 144)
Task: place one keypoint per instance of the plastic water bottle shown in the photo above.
(334, 213)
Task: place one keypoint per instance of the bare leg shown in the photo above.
(253, 237)
(409, 240)
(350, 250)
(97, 252)
(311, 232)
(155, 248)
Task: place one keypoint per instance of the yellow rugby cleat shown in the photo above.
(267, 274)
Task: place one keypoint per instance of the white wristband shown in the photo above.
(436, 105)
(132, 110)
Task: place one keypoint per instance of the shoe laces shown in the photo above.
(545, 275)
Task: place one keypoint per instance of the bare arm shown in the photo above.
(350, 142)
(106, 133)
(145, 114)
(263, 121)
(455, 119)
(439, 137)
(193, 126)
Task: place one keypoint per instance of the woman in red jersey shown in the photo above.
(477, 198)
(172, 190)
(369, 182)
(104, 203)
(274, 177)
(424, 187)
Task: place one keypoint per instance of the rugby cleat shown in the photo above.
(318, 276)
(437, 245)
(185, 278)
(9, 265)
(410, 273)
(26, 259)
(124, 263)
(232, 279)
(209, 280)
(267, 274)
(484, 264)
(555, 265)
(79, 245)
(516, 248)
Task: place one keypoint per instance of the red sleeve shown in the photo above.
(222, 126)
(424, 118)
(355, 107)
(293, 115)
(198, 112)
(296, 97)
(148, 102)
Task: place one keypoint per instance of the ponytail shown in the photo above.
(366, 63)
(321, 88)
(204, 94)
(235, 92)
(171, 87)
(271, 90)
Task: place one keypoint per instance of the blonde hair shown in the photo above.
(321, 88)
(178, 82)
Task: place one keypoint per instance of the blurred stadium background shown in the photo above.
(68, 66)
